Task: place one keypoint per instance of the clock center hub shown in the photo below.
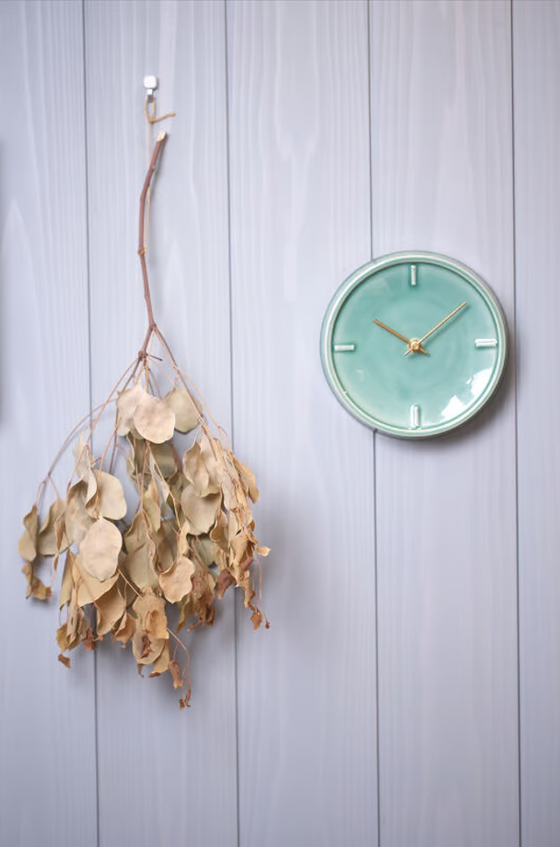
(415, 345)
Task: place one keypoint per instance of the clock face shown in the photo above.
(414, 344)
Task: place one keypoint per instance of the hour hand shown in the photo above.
(410, 342)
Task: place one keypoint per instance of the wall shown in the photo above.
(407, 692)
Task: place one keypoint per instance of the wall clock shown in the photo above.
(414, 344)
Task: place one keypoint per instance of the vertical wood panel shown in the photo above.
(47, 728)
(165, 775)
(446, 510)
(536, 51)
(298, 88)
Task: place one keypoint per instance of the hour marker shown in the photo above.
(415, 417)
(486, 342)
(344, 348)
(413, 279)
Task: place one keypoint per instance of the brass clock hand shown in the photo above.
(437, 326)
(411, 342)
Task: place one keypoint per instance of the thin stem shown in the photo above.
(142, 247)
(71, 435)
(130, 585)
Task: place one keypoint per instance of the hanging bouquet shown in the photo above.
(180, 539)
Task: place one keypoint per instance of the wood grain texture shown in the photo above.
(47, 722)
(165, 775)
(446, 510)
(536, 51)
(298, 105)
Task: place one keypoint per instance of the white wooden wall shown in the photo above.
(408, 691)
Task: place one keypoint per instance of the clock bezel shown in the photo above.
(357, 278)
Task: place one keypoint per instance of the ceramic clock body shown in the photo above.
(414, 344)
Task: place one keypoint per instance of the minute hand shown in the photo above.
(437, 326)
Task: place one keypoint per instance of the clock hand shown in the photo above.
(437, 326)
(411, 342)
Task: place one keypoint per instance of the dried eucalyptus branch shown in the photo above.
(187, 535)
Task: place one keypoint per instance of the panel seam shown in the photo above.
(516, 427)
(232, 406)
(90, 383)
(374, 450)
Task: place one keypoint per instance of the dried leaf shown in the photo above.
(139, 566)
(126, 629)
(47, 538)
(61, 538)
(100, 549)
(231, 497)
(140, 561)
(35, 587)
(207, 549)
(27, 544)
(256, 618)
(151, 614)
(187, 415)
(146, 649)
(66, 587)
(165, 459)
(247, 478)
(138, 533)
(161, 664)
(153, 419)
(74, 627)
(183, 542)
(166, 545)
(222, 559)
(89, 589)
(127, 403)
(89, 641)
(176, 582)
(199, 602)
(195, 470)
(145, 460)
(162, 491)
(78, 521)
(150, 504)
(74, 618)
(225, 580)
(82, 455)
(220, 533)
(62, 638)
(108, 500)
(233, 525)
(84, 466)
(200, 511)
(91, 481)
(212, 458)
(135, 464)
(175, 670)
(111, 606)
(64, 660)
(242, 551)
(177, 484)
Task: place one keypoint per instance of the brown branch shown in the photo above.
(142, 248)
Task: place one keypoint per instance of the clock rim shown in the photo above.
(410, 257)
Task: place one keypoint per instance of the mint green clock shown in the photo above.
(414, 344)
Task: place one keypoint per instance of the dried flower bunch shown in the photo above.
(191, 534)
